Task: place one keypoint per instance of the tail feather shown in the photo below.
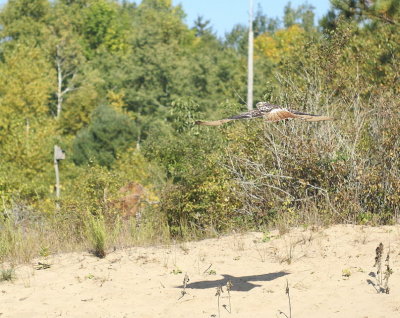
(309, 117)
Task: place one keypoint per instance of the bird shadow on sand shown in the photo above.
(241, 283)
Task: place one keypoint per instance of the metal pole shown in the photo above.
(250, 75)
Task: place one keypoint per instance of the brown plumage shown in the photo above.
(270, 113)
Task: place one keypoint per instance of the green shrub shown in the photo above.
(109, 133)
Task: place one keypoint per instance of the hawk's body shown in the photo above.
(269, 112)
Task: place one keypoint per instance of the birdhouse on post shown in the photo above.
(59, 154)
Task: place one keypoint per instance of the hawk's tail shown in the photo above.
(311, 117)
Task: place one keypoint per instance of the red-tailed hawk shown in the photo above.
(270, 113)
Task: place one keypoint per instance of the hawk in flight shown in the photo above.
(270, 113)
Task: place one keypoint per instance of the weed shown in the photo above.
(287, 292)
(229, 286)
(176, 271)
(89, 276)
(185, 281)
(7, 274)
(346, 273)
(262, 252)
(44, 251)
(208, 268)
(184, 249)
(218, 294)
(266, 237)
(289, 248)
(97, 235)
(378, 262)
(382, 278)
(387, 274)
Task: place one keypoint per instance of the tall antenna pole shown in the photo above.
(250, 75)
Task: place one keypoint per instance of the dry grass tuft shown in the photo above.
(97, 235)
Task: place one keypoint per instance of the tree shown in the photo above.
(101, 26)
(303, 15)
(280, 44)
(108, 134)
(25, 85)
(202, 27)
(237, 38)
(386, 11)
(25, 20)
(66, 51)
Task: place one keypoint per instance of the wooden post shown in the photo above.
(58, 155)
(250, 75)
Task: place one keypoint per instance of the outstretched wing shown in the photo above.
(270, 113)
(212, 123)
(248, 115)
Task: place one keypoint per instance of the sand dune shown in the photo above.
(329, 273)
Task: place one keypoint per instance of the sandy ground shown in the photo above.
(330, 273)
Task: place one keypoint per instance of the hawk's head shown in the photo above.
(264, 106)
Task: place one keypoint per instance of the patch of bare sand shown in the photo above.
(328, 272)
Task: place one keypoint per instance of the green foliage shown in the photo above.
(200, 198)
(378, 11)
(101, 26)
(26, 169)
(25, 85)
(303, 15)
(109, 134)
(90, 189)
(25, 20)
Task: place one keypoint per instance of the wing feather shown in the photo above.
(213, 123)
(248, 115)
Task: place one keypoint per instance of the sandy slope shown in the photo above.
(147, 282)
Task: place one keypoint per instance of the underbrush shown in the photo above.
(20, 242)
(344, 171)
